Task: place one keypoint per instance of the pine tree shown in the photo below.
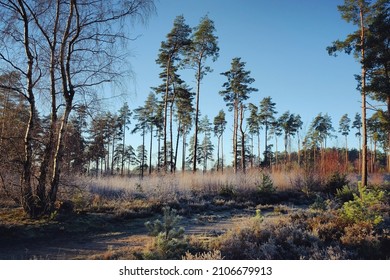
(150, 111)
(359, 13)
(204, 45)
(267, 117)
(141, 116)
(184, 115)
(219, 128)
(377, 62)
(236, 92)
(124, 119)
(177, 40)
(344, 127)
(206, 146)
(357, 123)
(253, 122)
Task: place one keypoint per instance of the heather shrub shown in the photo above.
(332, 252)
(362, 237)
(319, 204)
(307, 182)
(328, 226)
(284, 239)
(211, 255)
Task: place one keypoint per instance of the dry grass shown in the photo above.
(126, 196)
(187, 183)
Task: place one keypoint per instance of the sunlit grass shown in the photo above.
(187, 183)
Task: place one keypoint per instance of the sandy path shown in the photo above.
(132, 234)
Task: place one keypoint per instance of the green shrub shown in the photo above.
(319, 204)
(266, 185)
(227, 191)
(170, 241)
(335, 181)
(364, 207)
(345, 194)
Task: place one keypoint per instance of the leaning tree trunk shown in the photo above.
(57, 158)
(26, 188)
(177, 146)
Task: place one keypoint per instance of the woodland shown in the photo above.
(73, 186)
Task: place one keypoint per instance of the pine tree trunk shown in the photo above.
(243, 166)
(143, 153)
(183, 159)
(166, 114)
(266, 144)
(364, 117)
(196, 118)
(123, 146)
(219, 141)
(235, 137)
(107, 158)
(276, 151)
(158, 150)
(112, 154)
(252, 151)
(285, 149)
(299, 150)
(346, 153)
(171, 137)
(150, 148)
(177, 146)
(222, 153)
(258, 148)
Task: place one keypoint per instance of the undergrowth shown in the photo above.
(338, 220)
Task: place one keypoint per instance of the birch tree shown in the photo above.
(63, 49)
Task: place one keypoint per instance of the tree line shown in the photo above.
(98, 145)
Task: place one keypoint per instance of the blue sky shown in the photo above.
(284, 45)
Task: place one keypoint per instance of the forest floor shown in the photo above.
(223, 218)
(83, 235)
(92, 235)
